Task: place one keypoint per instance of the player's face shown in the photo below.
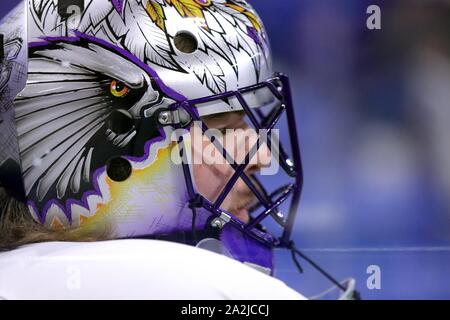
(212, 174)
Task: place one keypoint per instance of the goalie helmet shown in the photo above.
(93, 94)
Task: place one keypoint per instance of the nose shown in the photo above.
(246, 143)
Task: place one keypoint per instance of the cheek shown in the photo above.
(201, 174)
(209, 178)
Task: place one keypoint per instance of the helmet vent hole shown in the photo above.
(186, 42)
(118, 169)
(120, 122)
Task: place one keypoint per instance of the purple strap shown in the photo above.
(245, 249)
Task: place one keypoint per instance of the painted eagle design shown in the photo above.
(115, 63)
(68, 132)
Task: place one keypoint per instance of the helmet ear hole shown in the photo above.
(185, 42)
(120, 121)
(118, 169)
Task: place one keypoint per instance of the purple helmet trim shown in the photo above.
(118, 5)
(246, 249)
(253, 33)
(96, 192)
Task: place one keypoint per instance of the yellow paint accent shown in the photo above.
(188, 8)
(156, 13)
(257, 24)
(140, 182)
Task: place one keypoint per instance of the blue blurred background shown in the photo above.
(373, 112)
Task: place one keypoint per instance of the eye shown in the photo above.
(118, 89)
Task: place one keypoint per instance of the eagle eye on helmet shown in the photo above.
(119, 89)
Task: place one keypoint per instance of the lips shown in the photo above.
(244, 200)
(242, 211)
